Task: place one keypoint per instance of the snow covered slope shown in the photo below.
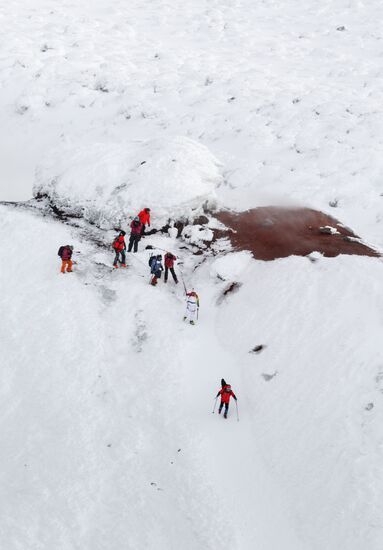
(108, 436)
(315, 391)
(285, 94)
(106, 420)
(108, 441)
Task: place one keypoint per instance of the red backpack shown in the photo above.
(116, 243)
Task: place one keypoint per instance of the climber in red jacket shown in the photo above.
(169, 266)
(144, 216)
(226, 392)
(119, 247)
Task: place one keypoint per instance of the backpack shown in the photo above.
(61, 250)
(151, 260)
(116, 243)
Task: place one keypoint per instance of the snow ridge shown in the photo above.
(107, 184)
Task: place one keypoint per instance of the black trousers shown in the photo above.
(226, 407)
(133, 242)
(171, 269)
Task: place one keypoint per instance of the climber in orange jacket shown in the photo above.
(144, 216)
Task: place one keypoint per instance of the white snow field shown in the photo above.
(108, 436)
(285, 94)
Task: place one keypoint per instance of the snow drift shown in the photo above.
(107, 183)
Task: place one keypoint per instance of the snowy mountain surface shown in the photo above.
(108, 436)
(109, 440)
(286, 95)
(105, 183)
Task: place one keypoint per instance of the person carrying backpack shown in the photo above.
(135, 234)
(119, 247)
(144, 216)
(192, 307)
(226, 392)
(65, 253)
(155, 263)
(169, 266)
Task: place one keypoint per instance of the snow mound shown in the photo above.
(107, 182)
(231, 266)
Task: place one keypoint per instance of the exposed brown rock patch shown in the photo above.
(272, 232)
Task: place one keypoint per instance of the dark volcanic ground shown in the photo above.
(273, 232)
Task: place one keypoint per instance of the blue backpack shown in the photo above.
(152, 261)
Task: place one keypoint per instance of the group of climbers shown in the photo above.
(137, 230)
(156, 267)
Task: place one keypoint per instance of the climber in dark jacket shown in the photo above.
(135, 234)
(169, 266)
(155, 263)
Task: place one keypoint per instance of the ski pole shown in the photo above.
(236, 404)
(183, 282)
(215, 402)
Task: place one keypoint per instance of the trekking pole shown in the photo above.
(183, 281)
(236, 404)
(215, 402)
(151, 274)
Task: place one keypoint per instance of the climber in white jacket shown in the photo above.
(192, 307)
